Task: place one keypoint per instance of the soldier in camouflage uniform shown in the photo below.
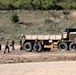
(7, 45)
(12, 44)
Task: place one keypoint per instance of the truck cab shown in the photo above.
(68, 37)
(69, 34)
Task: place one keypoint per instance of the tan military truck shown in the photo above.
(64, 41)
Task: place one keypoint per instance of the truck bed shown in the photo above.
(43, 37)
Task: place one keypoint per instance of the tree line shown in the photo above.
(37, 4)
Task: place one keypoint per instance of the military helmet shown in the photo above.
(12, 38)
(7, 38)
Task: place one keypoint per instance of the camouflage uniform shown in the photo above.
(22, 41)
(12, 44)
(21, 47)
(7, 46)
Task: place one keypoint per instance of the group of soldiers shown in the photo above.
(7, 44)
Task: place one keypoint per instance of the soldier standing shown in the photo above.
(22, 41)
(0, 43)
(7, 45)
(21, 47)
(12, 44)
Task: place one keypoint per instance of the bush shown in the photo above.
(14, 17)
(37, 4)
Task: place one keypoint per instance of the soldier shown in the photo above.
(23, 39)
(7, 45)
(0, 42)
(36, 44)
(12, 44)
(21, 44)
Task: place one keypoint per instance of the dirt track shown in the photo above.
(18, 56)
(44, 63)
(39, 68)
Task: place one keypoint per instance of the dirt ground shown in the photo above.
(32, 63)
(39, 68)
(19, 56)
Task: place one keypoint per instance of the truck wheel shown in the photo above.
(63, 46)
(72, 46)
(28, 47)
(37, 47)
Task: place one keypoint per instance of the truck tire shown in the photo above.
(28, 47)
(37, 47)
(72, 46)
(63, 46)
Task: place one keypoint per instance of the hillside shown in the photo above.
(35, 22)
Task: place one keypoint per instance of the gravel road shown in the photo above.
(39, 68)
